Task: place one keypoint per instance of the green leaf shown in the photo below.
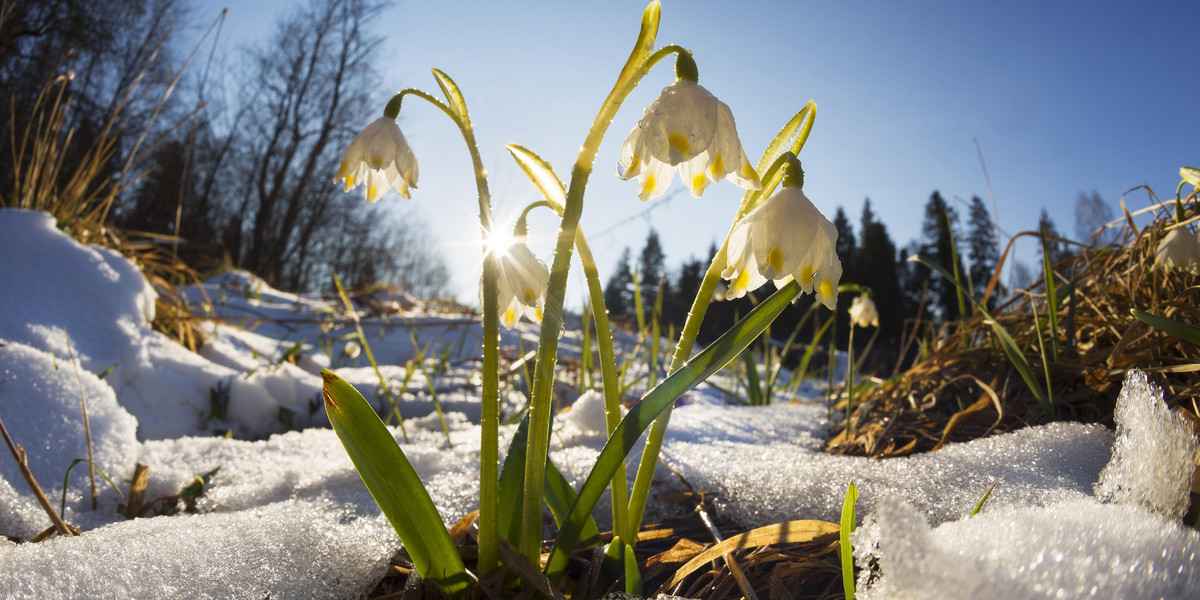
(453, 96)
(633, 576)
(541, 175)
(791, 138)
(394, 484)
(559, 494)
(659, 399)
(754, 393)
(1186, 331)
(844, 530)
(984, 499)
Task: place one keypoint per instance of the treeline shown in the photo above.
(905, 292)
(229, 151)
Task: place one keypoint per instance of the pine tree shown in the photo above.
(846, 246)
(651, 265)
(878, 270)
(618, 292)
(982, 250)
(1053, 247)
(691, 274)
(940, 247)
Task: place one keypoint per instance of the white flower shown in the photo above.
(379, 157)
(863, 313)
(1178, 249)
(688, 128)
(521, 280)
(352, 349)
(784, 238)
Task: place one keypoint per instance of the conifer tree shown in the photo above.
(618, 292)
(940, 247)
(982, 250)
(879, 271)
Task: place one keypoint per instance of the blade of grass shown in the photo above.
(659, 399)
(394, 484)
(1183, 330)
(845, 528)
(362, 339)
(984, 499)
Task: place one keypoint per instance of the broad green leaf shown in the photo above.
(663, 396)
(559, 494)
(633, 576)
(453, 96)
(1186, 331)
(394, 484)
(541, 175)
(844, 530)
(791, 138)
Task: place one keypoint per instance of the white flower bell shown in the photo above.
(379, 157)
(1178, 249)
(521, 282)
(784, 238)
(863, 312)
(685, 127)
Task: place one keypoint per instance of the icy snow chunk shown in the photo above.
(284, 550)
(1153, 458)
(775, 471)
(1074, 549)
(40, 406)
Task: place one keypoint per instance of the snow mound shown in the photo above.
(289, 549)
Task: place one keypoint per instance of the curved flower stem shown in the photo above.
(608, 367)
(635, 68)
(489, 454)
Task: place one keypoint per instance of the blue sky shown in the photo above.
(1063, 98)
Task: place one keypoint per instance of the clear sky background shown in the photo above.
(1063, 98)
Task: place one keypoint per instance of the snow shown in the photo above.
(1076, 511)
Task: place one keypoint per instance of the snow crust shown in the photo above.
(1076, 510)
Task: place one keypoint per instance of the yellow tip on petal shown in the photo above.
(826, 289)
(678, 142)
(774, 261)
(806, 274)
(717, 166)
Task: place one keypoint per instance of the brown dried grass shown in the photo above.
(966, 387)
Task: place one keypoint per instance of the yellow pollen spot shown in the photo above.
(742, 280)
(377, 162)
(827, 289)
(530, 296)
(372, 192)
(679, 141)
(350, 181)
(806, 274)
(538, 312)
(650, 183)
(510, 316)
(748, 172)
(717, 166)
(698, 181)
(775, 260)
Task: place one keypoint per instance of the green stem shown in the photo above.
(489, 442)
(687, 340)
(543, 379)
(608, 367)
(849, 382)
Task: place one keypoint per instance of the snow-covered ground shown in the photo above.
(286, 516)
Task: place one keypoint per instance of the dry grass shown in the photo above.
(966, 388)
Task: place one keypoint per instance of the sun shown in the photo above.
(499, 241)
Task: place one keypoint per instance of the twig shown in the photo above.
(87, 429)
(18, 454)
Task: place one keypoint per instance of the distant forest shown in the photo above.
(907, 293)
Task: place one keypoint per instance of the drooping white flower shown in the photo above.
(379, 157)
(863, 312)
(686, 128)
(521, 281)
(1178, 249)
(784, 238)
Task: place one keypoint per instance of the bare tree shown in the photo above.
(310, 88)
(1092, 213)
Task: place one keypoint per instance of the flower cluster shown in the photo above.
(686, 128)
(379, 157)
(1178, 249)
(785, 238)
(863, 312)
(522, 284)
